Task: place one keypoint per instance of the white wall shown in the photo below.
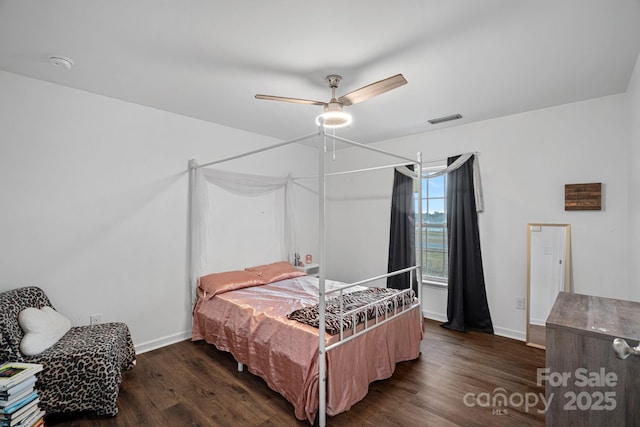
(634, 184)
(94, 202)
(525, 160)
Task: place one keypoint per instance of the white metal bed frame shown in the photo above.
(416, 270)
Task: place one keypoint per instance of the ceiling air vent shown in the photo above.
(445, 119)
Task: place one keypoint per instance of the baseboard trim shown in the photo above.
(538, 322)
(509, 333)
(162, 342)
(434, 316)
(503, 332)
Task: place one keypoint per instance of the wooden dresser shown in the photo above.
(587, 384)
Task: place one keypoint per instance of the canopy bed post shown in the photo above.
(418, 271)
(191, 236)
(322, 360)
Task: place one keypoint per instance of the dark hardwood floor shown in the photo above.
(457, 381)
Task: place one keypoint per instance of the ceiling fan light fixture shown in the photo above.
(333, 116)
(334, 119)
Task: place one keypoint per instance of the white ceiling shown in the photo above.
(208, 58)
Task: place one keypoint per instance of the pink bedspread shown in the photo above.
(251, 324)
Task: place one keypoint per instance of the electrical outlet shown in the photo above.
(95, 319)
(520, 303)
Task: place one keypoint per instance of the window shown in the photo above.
(435, 247)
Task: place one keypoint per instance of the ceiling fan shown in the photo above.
(333, 115)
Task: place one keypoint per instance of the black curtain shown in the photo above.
(467, 307)
(402, 246)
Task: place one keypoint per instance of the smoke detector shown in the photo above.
(61, 62)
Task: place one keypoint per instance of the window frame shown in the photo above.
(427, 279)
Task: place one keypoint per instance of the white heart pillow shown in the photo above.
(42, 329)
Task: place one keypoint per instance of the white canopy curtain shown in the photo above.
(240, 184)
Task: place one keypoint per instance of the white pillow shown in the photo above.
(42, 329)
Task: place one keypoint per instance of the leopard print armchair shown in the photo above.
(82, 371)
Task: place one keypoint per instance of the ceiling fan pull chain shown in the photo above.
(334, 145)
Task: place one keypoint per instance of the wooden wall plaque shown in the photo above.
(583, 197)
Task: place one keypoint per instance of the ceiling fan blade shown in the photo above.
(374, 89)
(294, 100)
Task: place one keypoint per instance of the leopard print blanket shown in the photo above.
(382, 300)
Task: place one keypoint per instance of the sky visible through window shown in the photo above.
(434, 199)
(434, 229)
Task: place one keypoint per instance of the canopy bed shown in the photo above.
(317, 342)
